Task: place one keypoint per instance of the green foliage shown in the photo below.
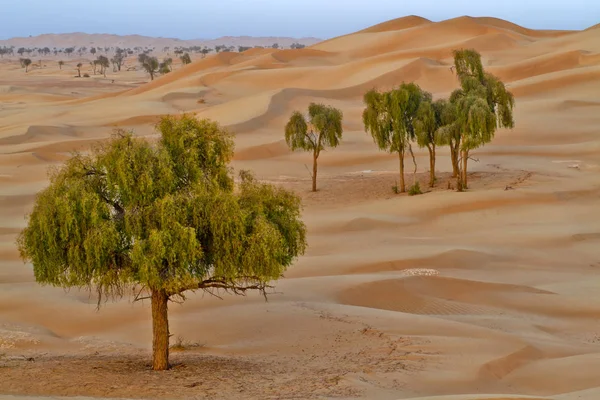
(415, 189)
(475, 111)
(389, 117)
(322, 129)
(163, 217)
(395, 188)
(165, 66)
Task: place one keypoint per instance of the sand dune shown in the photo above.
(487, 294)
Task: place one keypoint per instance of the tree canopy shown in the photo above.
(162, 219)
(482, 104)
(149, 64)
(320, 129)
(390, 117)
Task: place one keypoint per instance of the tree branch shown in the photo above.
(238, 286)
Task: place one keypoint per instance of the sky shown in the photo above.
(208, 19)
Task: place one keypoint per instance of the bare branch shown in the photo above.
(238, 286)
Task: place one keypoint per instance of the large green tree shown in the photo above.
(162, 220)
(322, 128)
(390, 119)
(482, 105)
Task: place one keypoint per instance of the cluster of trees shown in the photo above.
(152, 66)
(164, 218)
(407, 116)
(4, 50)
(161, 220)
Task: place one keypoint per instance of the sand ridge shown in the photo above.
(487, 294)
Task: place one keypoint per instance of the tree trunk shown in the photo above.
(314, 174)
(151, 75)
(431, 165)
(414, 163)
(454, 157)
(160, 330)
(401, 159)
(465, 158)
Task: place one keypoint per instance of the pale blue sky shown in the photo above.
(205, 19)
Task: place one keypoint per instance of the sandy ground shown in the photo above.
(508, 307)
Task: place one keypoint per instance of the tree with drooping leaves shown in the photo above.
(322, 128)
(389, 118)
(482, 105)
(160, 220)
(427, 130)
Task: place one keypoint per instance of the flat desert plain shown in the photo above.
(487, 294)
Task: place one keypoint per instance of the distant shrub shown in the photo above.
(415, 189)
(86, 75)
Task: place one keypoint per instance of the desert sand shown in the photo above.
(487, 294)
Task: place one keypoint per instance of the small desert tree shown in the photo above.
(427, 130)
(60, 64)
(26, 63)
(150, 64)
(389, 117)
(79, 65)
(165, 66)
(322, 128)
(119, 58)
(483, 104)
(162, 220)
(186, 59)
(103, 62)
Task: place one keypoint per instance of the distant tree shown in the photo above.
(69, 50)
(186, 59)
(165, 66)
(60, 64)
(103, 62)
(322, 128)
(79, 65)
(119, 58)
(205, 51)
(275, 45)
(161, 220)
(149, 64)
(389, 118)
(241, 49)
(21, 51)
(26, 63)
(93, 50)
(297, 46)
(483, 104)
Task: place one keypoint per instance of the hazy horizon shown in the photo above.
(187, 19)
